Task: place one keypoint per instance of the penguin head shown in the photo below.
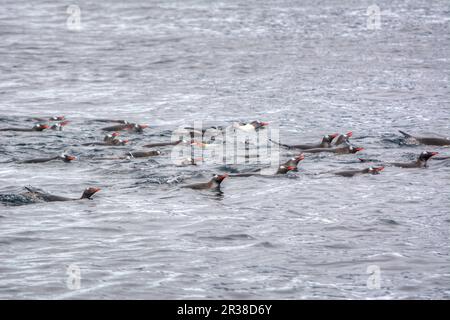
(89, 192)
(59, 126)
(140, 127)
(67, 158)
(219, 178)
(136, 127)
(374, 170)
(40, 127)
(355, 149)
(424, 156)
(57, 118)
(283, 169)
(329, 137)
(259, 124)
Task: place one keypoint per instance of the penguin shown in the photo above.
(347, 149)
(114, 142)
(37, 127)
(431, 141)
(421, 161)
(209, 133)
(132, 127)
(290, 165)
(112, 121)
(163, 144)
(35, 195)
(53, 118)
(63, 157)
(186, 162)
(343, 138)
(59, 126)
(144, 154)
(132, 155)
(252, 126)
(325, 143)
(352, 173)
(368, 160)
(202, 131)
(214, 183)
(108, 140)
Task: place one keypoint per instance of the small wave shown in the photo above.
(230, 237)
(389, 221)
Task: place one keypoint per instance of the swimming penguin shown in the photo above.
(108, 140)
(59, 126)
(54, 118)
(421, 161)
(38, 127)
(432, 141)
(144, 154)
(132, 127)
(352, 173)
(290, 165)
(252, 126)
(368, 160)
(132, 155)
(163, 144)
(214, 183)
(325, 143)
(113, 121)
(186, 162)
(202, 131)
(35, 194)
(343, 138)
(282, 169)
(205, 134)
(114, 142)
(347, 149)
(63, 157)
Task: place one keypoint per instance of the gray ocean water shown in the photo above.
(308, 68)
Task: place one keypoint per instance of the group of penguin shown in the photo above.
(331, 143)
